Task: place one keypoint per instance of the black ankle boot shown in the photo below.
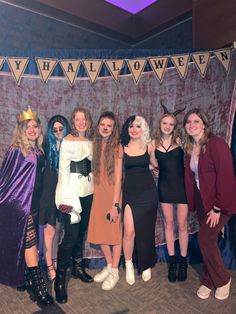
(78, 271)
(27, 283)
(172, 268)
(38, 287)
(182, 271)
(60, 286)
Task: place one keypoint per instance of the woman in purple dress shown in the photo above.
(20, 188)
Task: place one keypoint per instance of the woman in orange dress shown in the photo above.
(105, 220)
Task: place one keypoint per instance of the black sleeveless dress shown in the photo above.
(171, 187)
(140, 193)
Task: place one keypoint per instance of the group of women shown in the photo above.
(98, 182)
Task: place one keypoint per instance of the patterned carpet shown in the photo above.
(156, 296)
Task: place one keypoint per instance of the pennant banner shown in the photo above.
(45, 68)
(181, 64)
(224, 56)
(114, 67)
(17, 67)
(70, 69)
(158, 65)
(136, 68)
(92, 68)
(2, 59)
(201, 61)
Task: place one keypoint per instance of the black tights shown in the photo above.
(73, 242)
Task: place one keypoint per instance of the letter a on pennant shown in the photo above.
(181, 64)
(17, 67)
(136, 68)
(70, 69)
(45, 67)
(92, 68)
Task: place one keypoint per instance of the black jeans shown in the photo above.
(72, 244)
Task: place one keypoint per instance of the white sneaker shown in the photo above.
(146, 274)
(102, 275)
(111, 280)
(203, 292)
(222, 293)
(129, 275)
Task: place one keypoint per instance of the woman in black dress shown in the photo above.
(139, 198)
(171, 189)
(58, 128)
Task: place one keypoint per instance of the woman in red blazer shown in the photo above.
(211, 191)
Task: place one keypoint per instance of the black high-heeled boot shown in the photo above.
(172, 268)
(78, 271)
(27, 283)
(38, 289)
(182, 270)
(60, 286)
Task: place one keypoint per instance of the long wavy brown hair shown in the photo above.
(175, 134)
(111, 150)
(188, 143)
(20, 140)
(89, 131)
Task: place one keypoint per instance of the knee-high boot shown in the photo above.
(60, 285)
(38, 287)
(78, 270)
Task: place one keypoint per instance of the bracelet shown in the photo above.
(216, 210)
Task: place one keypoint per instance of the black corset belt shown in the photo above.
(83, 167)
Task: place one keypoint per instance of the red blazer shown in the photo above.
(217, 181)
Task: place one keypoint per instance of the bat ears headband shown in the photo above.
(174, 113)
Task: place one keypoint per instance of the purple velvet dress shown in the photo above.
(17, 178)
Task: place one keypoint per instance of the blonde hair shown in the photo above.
(145, 128)
(20, 139)
(188, 143)
(175, 134)
(111, 150)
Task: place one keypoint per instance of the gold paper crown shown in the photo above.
(27, 115)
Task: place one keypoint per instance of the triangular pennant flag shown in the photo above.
(224, 56)
(136, 68)
(17, 67)
(45, 67)
(201, 61)
(70, 69)
(181, 64)
(158, 65)
(92, 68)
(2, 59)
(114, 67)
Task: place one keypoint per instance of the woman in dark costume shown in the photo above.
(20, 190)
(58, 128)
(139, 198)
(171, 190)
